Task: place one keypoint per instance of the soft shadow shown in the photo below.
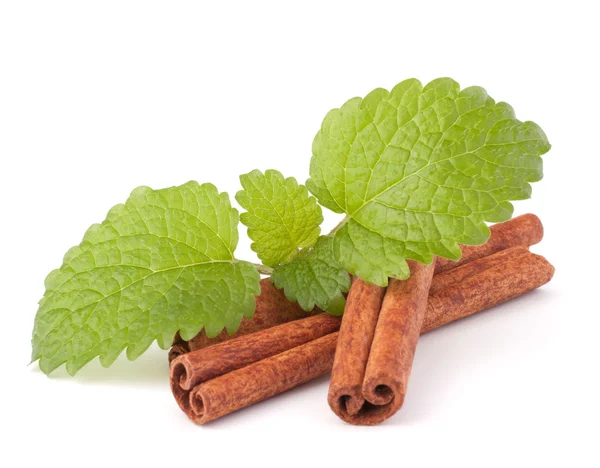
(152, 368)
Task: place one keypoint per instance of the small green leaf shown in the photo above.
(336, 306)
(159, 263)
(418, 170)
(314, 277)
(281, 216)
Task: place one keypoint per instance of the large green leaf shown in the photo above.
(159, 263)
(418, 170)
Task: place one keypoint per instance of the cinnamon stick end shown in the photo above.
(345, 401)
(350, 406)
(532, 225)
(384, 391)
(197, 411)
(181, 383)
(177, 350)
(548, 269)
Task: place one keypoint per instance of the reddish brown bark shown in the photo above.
(360, 320)
(484, 289)
(458, 275)
(370, 387)
(461, 292)
(525, 230)
(262, 379)
(194, 368)
(211, 398)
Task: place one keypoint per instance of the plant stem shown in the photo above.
(263, 270)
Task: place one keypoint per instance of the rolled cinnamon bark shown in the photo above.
(272, 307)
(218, 396)
(261, 380)
(403, 310)
(360, 320)
(370, 387)
(191, 369)
(484, 289)
(525, 230)
(457, 275)
(455, 294)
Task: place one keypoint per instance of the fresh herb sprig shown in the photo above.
(415, 170)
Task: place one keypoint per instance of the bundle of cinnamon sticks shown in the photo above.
(370, 349)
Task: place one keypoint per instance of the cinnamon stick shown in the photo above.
(272, 307)
(368, 391)
(360, 319)
(525, 230)
(368, 385)
(481, 290)
(403, 310)
(204, 398)
(191, 369)
(463, 291)
(261, 380)
(457, 275)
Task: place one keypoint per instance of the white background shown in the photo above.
(97, 98)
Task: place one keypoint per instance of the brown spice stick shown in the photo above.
(387, 362)
(360, 319)
(261, 380)
(191, 369)
(525, 230)
(460, 292)
(273, 375)
(485, 289)
(403, 310)
(458, 275)
(272, 307)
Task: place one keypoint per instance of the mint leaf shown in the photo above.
(314, 277)
(418, 170)
(281, 216)
(160, 263)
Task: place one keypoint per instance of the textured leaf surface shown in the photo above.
(161, 262)
(281, 215)
(314, 277)
(418, 170)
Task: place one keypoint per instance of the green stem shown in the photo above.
(263, 270)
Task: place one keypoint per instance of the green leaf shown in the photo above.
(281, 216)
(160, 263)
(418, 170)
(314, 277)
